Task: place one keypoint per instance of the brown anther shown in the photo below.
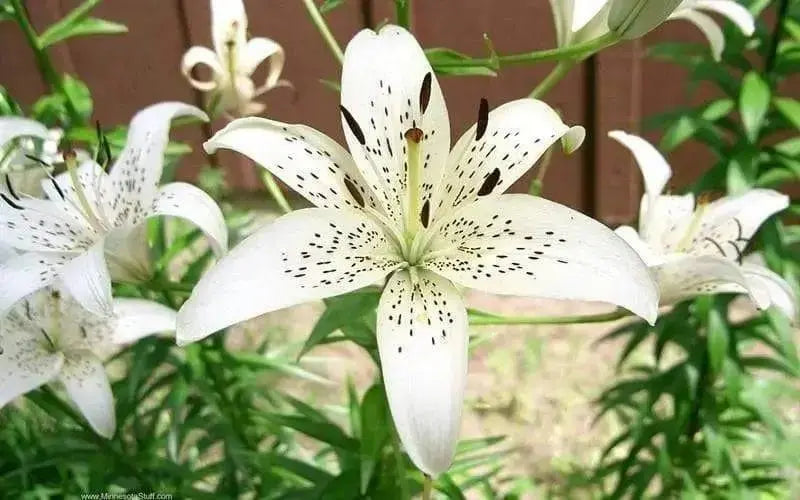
(414, 135)
(705, 198)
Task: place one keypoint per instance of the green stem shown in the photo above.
(481, 319)
(322, 26)
(403, 10)
(559, 72)
(275, 192)
(401, 469)
(427, 486)
(578, 51)
(43, 61)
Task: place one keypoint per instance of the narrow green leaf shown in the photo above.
(754, 101)
(790, 109)
(718, 339)
(340, 312)
(374, 432)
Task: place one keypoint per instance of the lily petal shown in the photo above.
(202, 56)
(228, 25)
(88, 280)
(306, 255)
(654, 167)
(179, 199)
(388, 87)
(128, 254)
(259, 50)
(6, 252)
(137, 318)
(86, 382)
(12, 127)
(780, 293)
(584, 11)
(25, 363)
(712, 32)
(138, 169)
(737, 14)
(664, 224)
(41, 225)
(308, 161)
(524, 245)
(96, 188)
(488, 161)
(686, 276)
(645, 251)
(422, 340)
(27, 273)
(727, 225)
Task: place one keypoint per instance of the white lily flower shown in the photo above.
(234, 60)
(695, 250)
(580, 21)
(49, 336)
(66, 236)
(23, 138)
(405, 206)
(692, 10)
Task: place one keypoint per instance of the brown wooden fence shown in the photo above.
(613, 90)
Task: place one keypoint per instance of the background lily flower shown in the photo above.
(65, 236)
(233, 61)
(692, 10)
(19, 139)
(402, 204)
(579, 21)
(49, 336)
(699, 250)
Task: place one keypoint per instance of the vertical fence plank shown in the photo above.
(434, 27)
(617, 105)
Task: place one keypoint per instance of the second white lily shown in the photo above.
(49, 337)
(700, 250)
(89, 212)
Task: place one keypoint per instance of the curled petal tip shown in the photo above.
(573, 139)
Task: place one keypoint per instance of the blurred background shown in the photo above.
(615, 89)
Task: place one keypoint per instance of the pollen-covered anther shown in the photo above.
(414, 135)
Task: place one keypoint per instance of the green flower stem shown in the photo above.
(101, 442)
(275, 191)
(403, 10)
(427, 486)
(482, 319)
(322, 26)
(577, 52)
(401, 468)
(43, 61)
(550, 81)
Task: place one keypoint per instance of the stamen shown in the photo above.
(38, 160)
(483, 119)
(425, 93)
(490, 183)
(10, 203)
(70, 158)
(425, 215)
(11, 188)
(354, 192)
(413, 180)
(353, 124)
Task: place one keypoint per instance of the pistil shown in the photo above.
(686, 241)
(71, 161)
(413, 182)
